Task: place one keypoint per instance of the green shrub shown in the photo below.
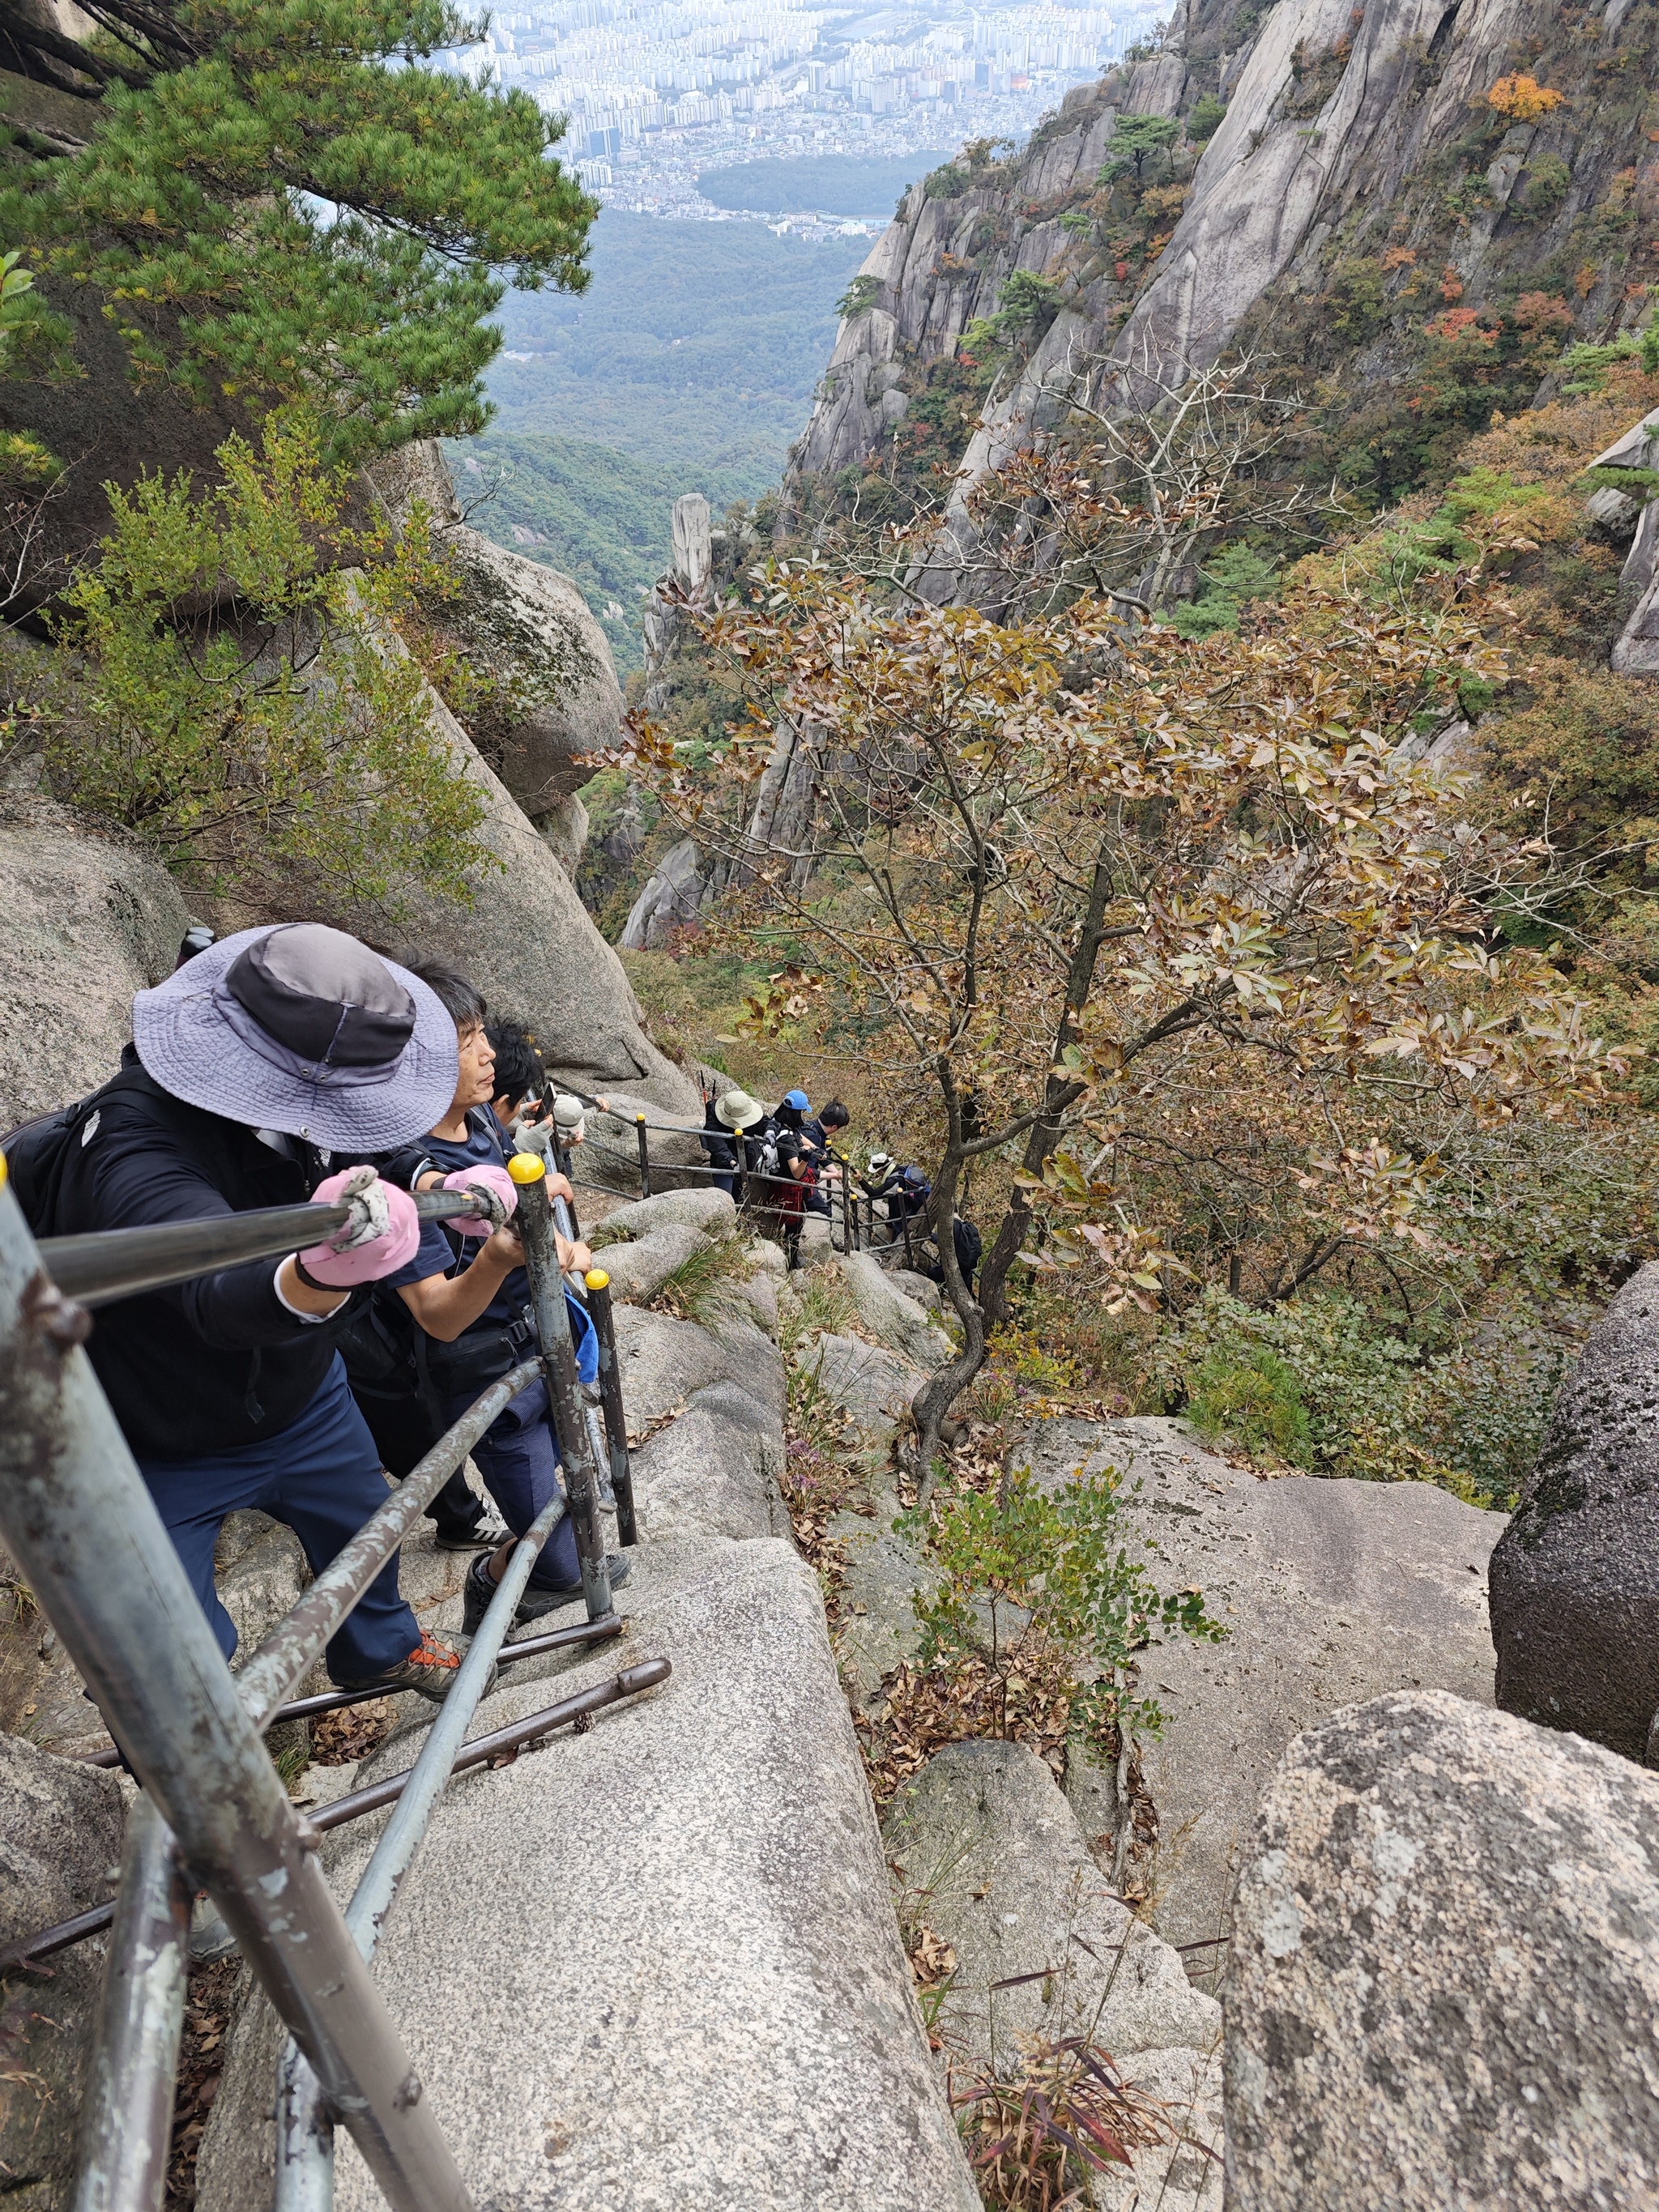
(1229, 581)
(1204, 118)
(859, 298)
(1469, 1417)
(1547, 181)
(1252, 1398)
(1051, 1578)
(948, 182)
(292, 736)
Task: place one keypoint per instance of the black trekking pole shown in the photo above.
(611, 1397)
(534, 1223)
(645, 1157)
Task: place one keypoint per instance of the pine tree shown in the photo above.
(278, 201)
(1134, 138)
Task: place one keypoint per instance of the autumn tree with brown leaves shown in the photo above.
(1079, 918)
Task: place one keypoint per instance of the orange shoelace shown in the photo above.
(431, 1653)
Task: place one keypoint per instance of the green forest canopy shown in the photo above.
(827, 184)
(688, 365)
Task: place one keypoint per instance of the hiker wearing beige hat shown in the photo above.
(730, 1115)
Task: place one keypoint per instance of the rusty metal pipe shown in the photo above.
(628, 1684)
(126, 2115)
(335, 1701)
(77, 1517)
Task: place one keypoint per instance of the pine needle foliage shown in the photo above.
(278, 201)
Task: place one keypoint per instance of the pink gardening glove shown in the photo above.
(377, 1245)
(489, 1181)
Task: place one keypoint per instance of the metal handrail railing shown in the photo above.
(82, 1526)
(94, 1270)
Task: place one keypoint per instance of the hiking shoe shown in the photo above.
(481, 1587)
(429, 1670)
(537, 1602)
(486, 1535)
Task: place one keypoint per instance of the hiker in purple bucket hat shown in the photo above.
(261, 1060)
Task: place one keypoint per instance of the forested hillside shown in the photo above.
(1291, 381)
(689, 364)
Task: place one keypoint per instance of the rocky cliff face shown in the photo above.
(1360, 186)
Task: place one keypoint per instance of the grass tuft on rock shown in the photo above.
(707, 1286)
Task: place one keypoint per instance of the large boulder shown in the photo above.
(872, 1387)
(672, 899)
(990, 1859)
(1575, 1580)
(711, 1210)
(743, 2030)
(528, 633)
(528, 943)
(662, 1362)
(1330, 1592)
(60, 1847)
(547, 685)
(91, 919)
(714, 1472)
(1445, 1984)
(890, 1315)
(639, 1270)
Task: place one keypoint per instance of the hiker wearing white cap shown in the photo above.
(260, 1057)
(728, 1119)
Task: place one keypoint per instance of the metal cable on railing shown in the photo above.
(81, 1524)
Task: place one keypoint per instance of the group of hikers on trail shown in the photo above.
(291, 1063)
(786, 1160)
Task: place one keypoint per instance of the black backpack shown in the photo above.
(39, 1151)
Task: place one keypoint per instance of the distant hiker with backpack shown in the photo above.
(730, 1122)
(472, 1303)
(262, 1058)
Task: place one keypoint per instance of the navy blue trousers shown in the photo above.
(321, 1478)
(519, 1460)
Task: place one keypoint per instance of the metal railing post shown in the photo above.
(305, 2132)
(534, 1223)
(645, 1157)
(126, 2115)
(611, 1397)
(77, 1519)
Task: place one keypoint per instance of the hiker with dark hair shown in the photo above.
(256, 1067)
(794, 1114)
(520, 1075)
(788, 1193)
(471, 1300)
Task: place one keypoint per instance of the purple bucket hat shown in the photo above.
(301, 1029)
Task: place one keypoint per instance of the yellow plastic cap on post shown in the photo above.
(597, 1279)
(526, 1167)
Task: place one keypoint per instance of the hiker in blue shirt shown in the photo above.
(472, 1302)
